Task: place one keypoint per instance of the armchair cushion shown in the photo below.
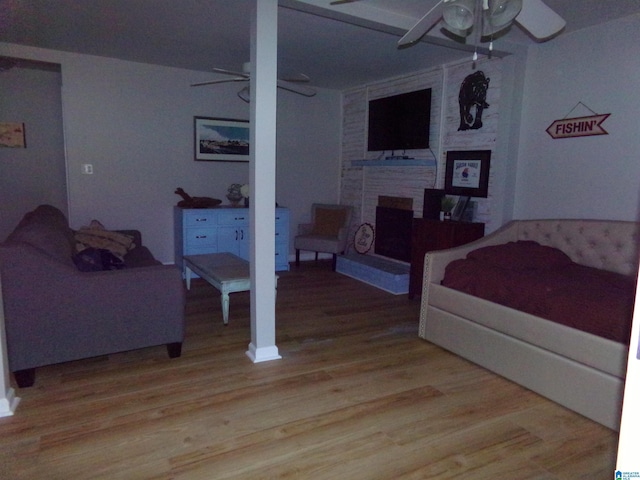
(328, 222)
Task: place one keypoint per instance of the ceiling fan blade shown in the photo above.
(426, 23)
(539, 20)
(231, 72)
(299, 78)
(226, 80)
(299, 89)
(340, 2)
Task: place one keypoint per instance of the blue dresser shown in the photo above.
(215, 230)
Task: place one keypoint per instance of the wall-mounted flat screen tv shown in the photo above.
(400, 122)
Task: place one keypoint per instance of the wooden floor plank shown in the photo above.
(357, 395)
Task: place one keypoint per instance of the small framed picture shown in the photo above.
(467, 173)
(12, 135)
(458, 211)
(221, 139)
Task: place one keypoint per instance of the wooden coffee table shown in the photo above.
(227, 272)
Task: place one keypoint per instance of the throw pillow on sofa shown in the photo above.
(97, 259)
(96, 236)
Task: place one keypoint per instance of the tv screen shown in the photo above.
(400, 122)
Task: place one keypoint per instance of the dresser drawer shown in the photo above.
(282, 253)
(281, 217)
(198, 237)
(200, 219)
(282, 235)
(234, 217)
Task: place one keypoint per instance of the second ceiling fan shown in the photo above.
(291, 84)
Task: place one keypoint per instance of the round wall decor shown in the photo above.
(363, 240)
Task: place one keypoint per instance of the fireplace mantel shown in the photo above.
(409, 162)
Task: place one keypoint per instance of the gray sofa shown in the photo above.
(56, 313)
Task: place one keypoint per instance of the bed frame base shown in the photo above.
(590, 392)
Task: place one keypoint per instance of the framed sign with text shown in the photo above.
(467, 173)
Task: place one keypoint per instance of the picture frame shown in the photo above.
(467, 173)
(12, 135)
(458, 211)
(221, 139)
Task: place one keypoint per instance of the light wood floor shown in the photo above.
(357, 395)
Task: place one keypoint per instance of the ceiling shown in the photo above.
(338, 47)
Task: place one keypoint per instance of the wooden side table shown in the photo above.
(429, 235)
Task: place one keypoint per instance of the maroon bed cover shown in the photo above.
(543, 281)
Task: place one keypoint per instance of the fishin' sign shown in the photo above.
(578, 127)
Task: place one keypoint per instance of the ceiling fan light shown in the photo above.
(502, 12)
(459, 14)
(456, 32)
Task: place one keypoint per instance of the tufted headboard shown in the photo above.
(605, 244)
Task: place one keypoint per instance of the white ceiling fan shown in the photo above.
(460, 16)
(291, 84)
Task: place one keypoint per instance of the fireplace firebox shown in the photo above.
(393, 233)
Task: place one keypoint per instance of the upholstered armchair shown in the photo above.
(327, 233)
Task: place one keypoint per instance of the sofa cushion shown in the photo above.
(140, 257)
(47, 214)
(46, 238)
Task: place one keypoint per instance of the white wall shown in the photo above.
(588, 177)
(134, 123)
(307, 153)
(36, 174)
(630, 422)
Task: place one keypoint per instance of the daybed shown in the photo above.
(57, 311)
(582, 371)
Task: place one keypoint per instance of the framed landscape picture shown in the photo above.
(221, 139)
(467, 173)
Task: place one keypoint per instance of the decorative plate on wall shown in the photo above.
(364, 237)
